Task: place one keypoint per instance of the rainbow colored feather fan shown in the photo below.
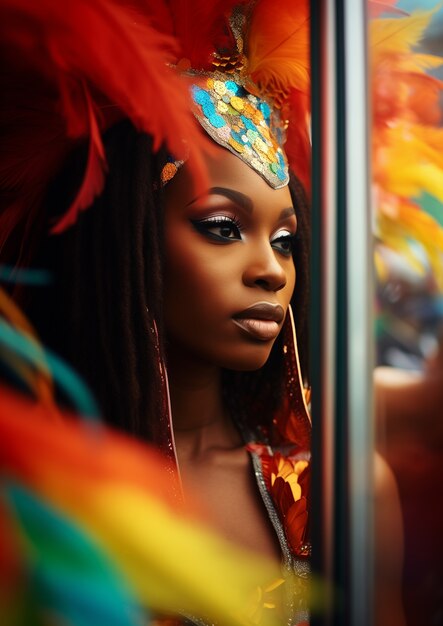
(407, 139)
(89, 533)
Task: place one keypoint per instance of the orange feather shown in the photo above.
(278, 50)
(278, 55)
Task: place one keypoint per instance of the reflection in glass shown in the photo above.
(407, 140)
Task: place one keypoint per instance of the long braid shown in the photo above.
(106, 277)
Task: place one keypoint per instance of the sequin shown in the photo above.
(238, 137)
(260, 145)
(281, 173)
(219, 87)
(200, 96)
(247, 122)
(237, 103)
(217, 121)
(232, 86)
(264, 108)
(232, 111)
(239, 147)
(224, 133)
(252, 135)
(168, 172)
(248, 110)
(222, 107)
(265, 132)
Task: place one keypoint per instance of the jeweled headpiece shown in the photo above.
(243, 102)
(249, 118)
(243, 123)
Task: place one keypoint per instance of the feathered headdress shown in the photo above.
(72, 70)
(407, 139)
(258, 88)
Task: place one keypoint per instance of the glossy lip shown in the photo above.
(261, 320)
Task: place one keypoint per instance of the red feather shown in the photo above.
(201, 26)
(94, 176)
(298, 140)
(68, 52)
(93, 453)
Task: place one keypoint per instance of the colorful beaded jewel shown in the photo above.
(243, 123)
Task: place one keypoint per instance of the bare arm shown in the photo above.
(388, 548)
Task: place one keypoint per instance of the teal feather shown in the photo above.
(69, 382)
(24, 276)
(69, 575)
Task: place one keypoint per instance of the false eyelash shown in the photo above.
(221, 219)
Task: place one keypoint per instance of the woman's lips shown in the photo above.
(260, 329)
(261, 320)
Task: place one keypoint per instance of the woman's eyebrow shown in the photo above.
(286, 213)
(235, 196)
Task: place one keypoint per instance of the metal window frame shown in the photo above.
(342, 318)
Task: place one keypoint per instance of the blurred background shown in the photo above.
(409, 378)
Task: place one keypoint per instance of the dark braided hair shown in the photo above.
(107, 289)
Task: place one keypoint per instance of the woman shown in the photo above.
(224, 265)
(163, 275)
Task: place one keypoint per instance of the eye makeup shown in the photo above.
(220, 225)
(283, 242)
(219, 228)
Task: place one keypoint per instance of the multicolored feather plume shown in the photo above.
(99, 533)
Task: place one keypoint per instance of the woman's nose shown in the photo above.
(264, 269)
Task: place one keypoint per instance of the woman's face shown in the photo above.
(229, 273)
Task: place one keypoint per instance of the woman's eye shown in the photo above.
(284, 243)
(220, 228)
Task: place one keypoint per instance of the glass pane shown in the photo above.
(407, 189)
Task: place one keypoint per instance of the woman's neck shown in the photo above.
(200, 420)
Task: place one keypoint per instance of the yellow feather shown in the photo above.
(380, 266)
(424, 62)
(394, 239)
(407, 222)
(398, 35)
(410, 160)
